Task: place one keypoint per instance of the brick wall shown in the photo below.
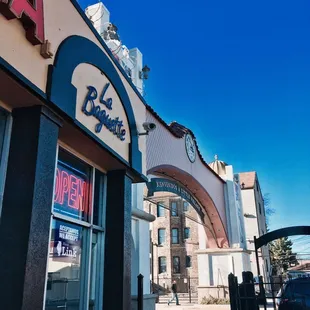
(185, 247)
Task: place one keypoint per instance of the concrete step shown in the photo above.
(182, 299)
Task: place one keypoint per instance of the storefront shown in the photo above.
(70, 152)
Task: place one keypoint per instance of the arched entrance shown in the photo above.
(174, 180)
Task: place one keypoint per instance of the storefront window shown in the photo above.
(5, 124)
(3, 120)
(72, 188)
(77, 237)
(64, 274)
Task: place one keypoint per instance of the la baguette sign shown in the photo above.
(30, 13)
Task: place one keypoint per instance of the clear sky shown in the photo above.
(237, 73)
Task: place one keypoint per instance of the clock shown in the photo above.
(190, 148)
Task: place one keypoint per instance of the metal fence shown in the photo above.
(278, 293)
(186, 288)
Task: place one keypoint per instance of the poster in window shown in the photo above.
(70, 196)
(66, 242)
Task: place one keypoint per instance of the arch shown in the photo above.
(76, 50)
(280, 233)
(215, 229)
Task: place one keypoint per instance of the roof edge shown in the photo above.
(177, 133)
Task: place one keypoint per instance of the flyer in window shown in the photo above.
(66, 242)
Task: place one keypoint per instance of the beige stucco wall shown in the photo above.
(61, 21)
(166, 149)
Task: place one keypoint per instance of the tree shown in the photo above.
(281, 255)
(268, 210)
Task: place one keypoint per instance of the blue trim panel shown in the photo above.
(76, 50)
(95, 32)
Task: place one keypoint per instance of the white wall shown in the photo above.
(135, 257)
(235, 222)
(221, 268)
(141, 238)
(255, 225)
(130, 59)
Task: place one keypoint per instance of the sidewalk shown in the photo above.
(192, 307)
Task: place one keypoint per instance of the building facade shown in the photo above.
(214, 221)
(174, 242)
(72, 160)
(131, 60)
(176, 252)
(255, 221)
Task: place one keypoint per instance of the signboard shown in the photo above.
(66, 242)
(70, 196)
(30, 14)
(100, 111)
(164, 185)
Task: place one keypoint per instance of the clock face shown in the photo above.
(190, 148)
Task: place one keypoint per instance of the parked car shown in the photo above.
(294, 294)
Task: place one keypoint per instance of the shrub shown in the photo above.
(214, 301)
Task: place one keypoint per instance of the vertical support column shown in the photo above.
(26, 210)
(257, 258)
(117, 271)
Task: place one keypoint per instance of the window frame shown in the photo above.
(177, 236)
(158, 236)
(4, 151)
(88, 230)
(179, 265)
(185, 209)
(160, 271)
(174, 212)
(188, 258)
(189, 233)
(160, 207)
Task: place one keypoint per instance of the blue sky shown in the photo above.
(238, 74)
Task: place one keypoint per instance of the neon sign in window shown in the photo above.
(71, 193)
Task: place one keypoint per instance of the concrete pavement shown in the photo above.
(192, 307)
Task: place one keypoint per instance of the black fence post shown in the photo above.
(189, 290)
(232, 292)
(257, 259)
(272, 292)
(140, 292)
(247, 292)
(262, 293)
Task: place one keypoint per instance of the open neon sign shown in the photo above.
(70, 193)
